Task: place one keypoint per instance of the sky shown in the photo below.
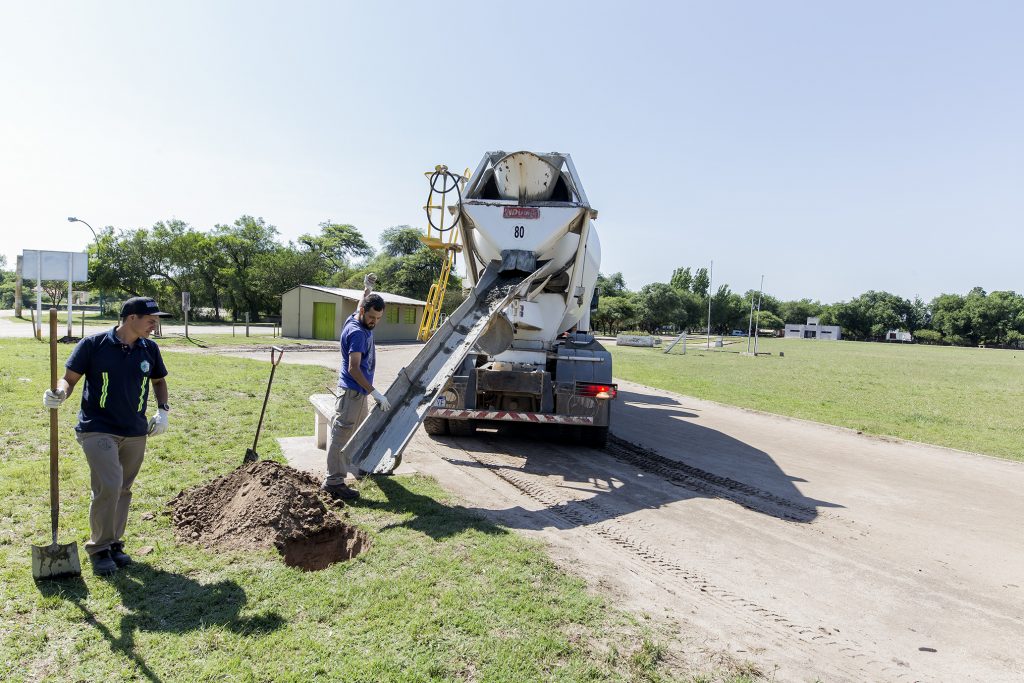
(831, 147)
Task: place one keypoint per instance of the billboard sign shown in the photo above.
(54, 265)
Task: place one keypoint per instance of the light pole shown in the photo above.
(72, 219)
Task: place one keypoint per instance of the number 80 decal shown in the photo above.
(519, 232)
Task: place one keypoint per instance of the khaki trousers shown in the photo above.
(349, 412)
(114, 462)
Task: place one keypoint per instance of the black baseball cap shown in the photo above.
(141, 305)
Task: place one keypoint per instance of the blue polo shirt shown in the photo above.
(356, 338)
(115, 383)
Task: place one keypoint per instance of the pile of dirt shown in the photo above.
(266, 505)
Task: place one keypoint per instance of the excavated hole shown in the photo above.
(321, 550)
(268, 505)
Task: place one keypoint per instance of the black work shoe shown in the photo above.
(117, 554)
(102, 563)
(340, 492)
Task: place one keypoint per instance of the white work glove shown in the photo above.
(382, 400)
(53, 399)
(369, 281)
(158, 423)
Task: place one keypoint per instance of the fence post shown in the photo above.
(246, 323)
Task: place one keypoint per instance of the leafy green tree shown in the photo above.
(337, 243)
(242, 244)
(614, 313)
(701, 282)
(682, 279)
(657, 305)
(766, 320)
(401, 240)
(797, 312)
(610, 285)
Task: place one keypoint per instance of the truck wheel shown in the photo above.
(595, 437)
(435, 426)
(461, 427)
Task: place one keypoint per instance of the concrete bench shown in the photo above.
(323, 406)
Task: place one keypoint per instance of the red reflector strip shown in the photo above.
(597, 390)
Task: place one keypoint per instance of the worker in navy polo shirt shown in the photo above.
(121, 367)
(355, 381)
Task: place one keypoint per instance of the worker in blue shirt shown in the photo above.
(355, 382)
(120, 366)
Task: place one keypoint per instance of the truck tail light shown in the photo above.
(597, 390)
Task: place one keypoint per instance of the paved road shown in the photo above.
(811, 551)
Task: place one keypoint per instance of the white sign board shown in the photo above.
(56, 265)
(186, 301)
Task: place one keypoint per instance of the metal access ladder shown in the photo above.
(376, 446)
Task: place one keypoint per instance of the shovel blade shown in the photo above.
(250, 456)
(55, 561)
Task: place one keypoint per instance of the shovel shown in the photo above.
(54, 561)
(250, 453)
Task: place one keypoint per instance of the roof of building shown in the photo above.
(357, 294)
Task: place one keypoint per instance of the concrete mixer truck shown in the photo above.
(519, 348)
(536, 360)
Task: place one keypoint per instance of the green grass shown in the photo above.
(441, 595)
(198, 340)
(962, 398)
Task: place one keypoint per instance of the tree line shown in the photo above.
(244, 267)
(972, 319)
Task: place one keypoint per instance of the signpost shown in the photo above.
(54, 265)
(186, 304)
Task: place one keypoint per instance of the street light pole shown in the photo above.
(95, 237)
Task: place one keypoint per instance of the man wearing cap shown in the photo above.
(120, 367)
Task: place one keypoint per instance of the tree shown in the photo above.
(657, 305)
(797, 312)
(401, 240)
(337, 243)
(682, 279)
(728, 310)
(610, 285)
(701, 282)
(766, 320)
(241, 244)
(614, 313)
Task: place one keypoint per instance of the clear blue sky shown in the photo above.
(833, 147)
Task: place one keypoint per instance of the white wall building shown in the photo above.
(314, 312)
(813, 330)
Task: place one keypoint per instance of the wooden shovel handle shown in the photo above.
(54, 482)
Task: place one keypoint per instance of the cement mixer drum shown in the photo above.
(526, 177)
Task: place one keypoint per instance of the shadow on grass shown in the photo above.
(157, 600)
(430, 517)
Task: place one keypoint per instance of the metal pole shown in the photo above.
(711, 280)
(247, 323)
(757, 324)
(39, 297)
(750, 321)
(17, 287)
(71, 279)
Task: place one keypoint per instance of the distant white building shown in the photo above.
(899, 336)
(813, 330)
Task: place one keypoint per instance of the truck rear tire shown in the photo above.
(595, 437)
(435, 426)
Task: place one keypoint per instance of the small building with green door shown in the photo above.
(314, 312)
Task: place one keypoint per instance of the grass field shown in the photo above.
(964, 398)
(442, 594)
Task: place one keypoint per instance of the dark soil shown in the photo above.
(267, 505)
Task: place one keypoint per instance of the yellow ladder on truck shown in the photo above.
(439, 237)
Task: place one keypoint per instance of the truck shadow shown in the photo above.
(625, 477)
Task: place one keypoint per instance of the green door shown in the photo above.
(323, 321)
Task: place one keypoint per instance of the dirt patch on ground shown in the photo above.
(267, 505)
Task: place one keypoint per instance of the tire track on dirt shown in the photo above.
(603, 522)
